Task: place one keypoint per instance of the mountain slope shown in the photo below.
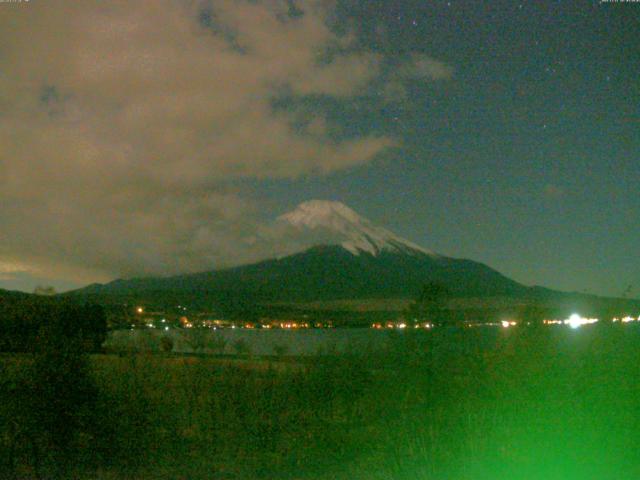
(352, 260)
(355, 259)
(329, 273)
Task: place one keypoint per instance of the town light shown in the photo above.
(575, 321)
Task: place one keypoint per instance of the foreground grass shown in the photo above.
(538, 404)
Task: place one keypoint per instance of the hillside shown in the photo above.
(359, 263)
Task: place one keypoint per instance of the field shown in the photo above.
(534, 403)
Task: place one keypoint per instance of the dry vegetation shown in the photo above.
(537, 404)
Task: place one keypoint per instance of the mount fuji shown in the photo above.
(336, 222)
(349, 258)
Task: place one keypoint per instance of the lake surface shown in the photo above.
(439, 341)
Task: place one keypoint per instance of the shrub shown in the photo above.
(241, 347)
(166, 344)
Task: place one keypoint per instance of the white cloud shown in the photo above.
(417, 68)
(8, 269)
(423, 67)
(119, 119)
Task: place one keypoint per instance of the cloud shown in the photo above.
(415, 69)
(120, 120)
(8, 269)
(423, 67)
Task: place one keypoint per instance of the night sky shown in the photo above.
(159, 137)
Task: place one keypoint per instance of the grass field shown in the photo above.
(545, 404)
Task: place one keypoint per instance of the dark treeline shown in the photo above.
(29, 324)
(50, 407)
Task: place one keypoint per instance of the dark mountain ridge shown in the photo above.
(360, 261)
(330, 273)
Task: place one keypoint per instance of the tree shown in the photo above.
(93, 325)
(84, 324)
(198, 339)
(26, 325)
(52, 412)
(62, 407)
(241, 347)
(218, 344)
(280, 350)
(166, 344)
(48, 291)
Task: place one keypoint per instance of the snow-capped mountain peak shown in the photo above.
(344, 226)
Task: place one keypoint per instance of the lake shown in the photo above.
(438, 341)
